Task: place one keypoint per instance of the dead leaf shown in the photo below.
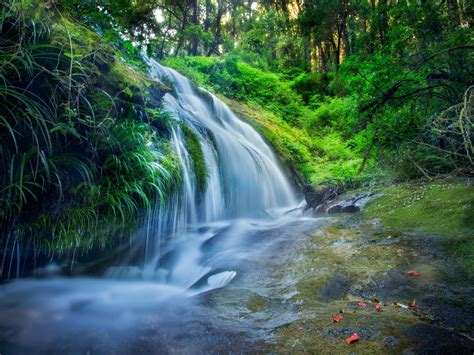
(337, 318)
(352, 339)
(412, 304)
(377, 307)
(413, 273)
(362, 304)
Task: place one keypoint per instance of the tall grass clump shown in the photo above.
(84, 156)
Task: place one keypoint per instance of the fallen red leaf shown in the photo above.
(337, 318)
(412, 304)
(377, 307)
(362, 304)
(413, 273)
(353, 338)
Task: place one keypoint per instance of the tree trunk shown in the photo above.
(194, 49)
(217, 29)
(453, 12)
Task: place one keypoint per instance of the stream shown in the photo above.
(198, 242)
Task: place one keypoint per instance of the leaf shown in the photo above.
(129, 47)
(412, 304)
(377, 307)
(352, 339)
(413, 273)
(362, 304)
(337, 318)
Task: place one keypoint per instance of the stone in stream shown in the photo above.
(337, 287)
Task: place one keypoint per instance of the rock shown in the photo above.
(351, 204)
(437, 340)
(392, 341)
(350, 209)
(337, 287)
(317, 195)
(50, 270)
(343, 207)
(334, 209)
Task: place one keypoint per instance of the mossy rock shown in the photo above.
(193, 146)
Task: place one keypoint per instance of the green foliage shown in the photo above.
(82, 168)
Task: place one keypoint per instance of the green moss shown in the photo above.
(195, 151)
(442, 206)
(67, 32)
(123, 75)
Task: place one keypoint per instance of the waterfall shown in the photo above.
(244, 180)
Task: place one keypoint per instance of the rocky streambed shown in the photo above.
(351, 264)
(293, 276)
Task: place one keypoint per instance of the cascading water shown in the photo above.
(197, 241)
(244, 180)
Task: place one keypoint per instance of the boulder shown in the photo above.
(317, 195)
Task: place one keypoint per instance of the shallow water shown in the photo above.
(96, 315)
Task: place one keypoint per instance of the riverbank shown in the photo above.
(360, 260)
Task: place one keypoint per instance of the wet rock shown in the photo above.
(50, 270)
(318, 195)
(337, 287)
(391, 341)
(351, 204)
(451, 308)
(396, 286)
(334, 209)
(436, 340)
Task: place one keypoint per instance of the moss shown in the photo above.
(442, 206)
(195, 151)
(122, 75)
(84, 41)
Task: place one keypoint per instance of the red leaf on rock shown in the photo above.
(413, 273)
(362, 304)
(337, 318)
(353, 338)
(377, 307)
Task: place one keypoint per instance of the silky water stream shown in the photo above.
(229, 234)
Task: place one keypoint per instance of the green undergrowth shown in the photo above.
(301, 133)
(84, 137)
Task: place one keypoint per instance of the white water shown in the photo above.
(244, 180)
(196, 242)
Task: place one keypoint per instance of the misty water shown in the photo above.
(232, 235)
